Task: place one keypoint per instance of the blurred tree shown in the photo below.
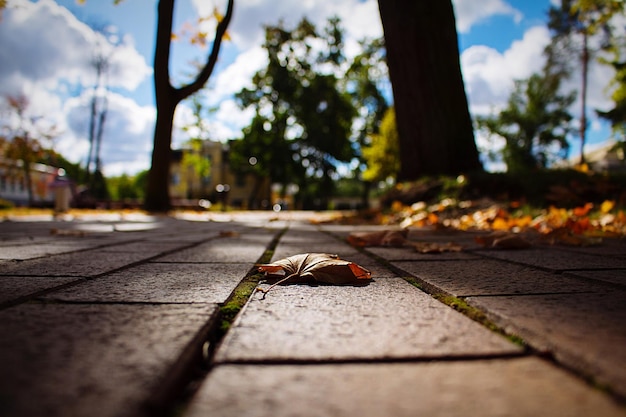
(297, 100)
(264, 153)
(167, 99)
(616, 58)
(573, 24)
(26, 138)
(534, 124)
(365, 81)
(617, 115)
(434, 125)
(107, 44)
(196, 166)
(382, 156)
(125, 187)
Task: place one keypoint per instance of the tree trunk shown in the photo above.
(167, 98)
(432, 117)
(583, 96)
(157, 191)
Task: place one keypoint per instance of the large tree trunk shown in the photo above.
(434, 125)
(157, 191)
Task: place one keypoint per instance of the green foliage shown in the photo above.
(127, 187)
(303, 120)
(383, 154)
(534, 124)
(581, 29)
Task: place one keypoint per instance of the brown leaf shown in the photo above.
(321, 267)
(228, 233)
(565, 236)
(67, 232)
(433, 247)
(393, 238)
(503, 240)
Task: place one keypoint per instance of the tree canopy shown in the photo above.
(534, 124)
(581, 28)
(303, 119)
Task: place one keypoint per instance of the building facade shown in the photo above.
(14, 184)
(190, 182)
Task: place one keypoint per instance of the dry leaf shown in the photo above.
(433, 247)
(321, 267)
(67, 232)
(228, 233)
(503, 240)
(393, 238)
(565, 236)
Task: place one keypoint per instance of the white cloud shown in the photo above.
(237, 75)
(127, 137)
(34, 55)
(55, 73)
(489, 74)
(359, 18)
(471, 12)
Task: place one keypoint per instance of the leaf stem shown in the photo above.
(288, 277)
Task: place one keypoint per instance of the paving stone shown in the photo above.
(463, 238)
(524, 387)
(611, 247)
(615, 276)
(492, 277)
(388, 318)
(151, 248)
(410, 254)
(584, 331)
(90, 360)
(161, 283)
(86, 263)
(243, 248)
(557, 260)
(12, 288)
(38, 250)
(284, 250)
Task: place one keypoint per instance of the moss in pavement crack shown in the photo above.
(475, 314)
(239, 297)
(237, 300)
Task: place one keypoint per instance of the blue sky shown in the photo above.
(500, 40)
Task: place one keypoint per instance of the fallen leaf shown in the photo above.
(394, 238)
(321, 267)
(433, 247)
(229, 233)
(67, 232)
(582, 211)
(503, 240)
(566, 236)
(607, 206)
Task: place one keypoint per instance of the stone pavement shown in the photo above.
(119, 315)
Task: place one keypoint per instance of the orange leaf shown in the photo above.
(582, 211)
(500, 224)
